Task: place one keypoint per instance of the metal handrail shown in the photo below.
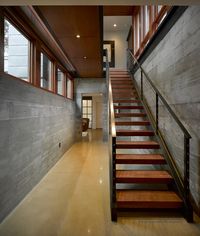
(162, 98)
(183, 184)
(112, 142)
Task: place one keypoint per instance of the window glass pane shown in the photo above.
(84, 103)
(138, 31)
(89, 110)
(84, 110)
(45, 72)
(60, 82)
(159, 7)
(16, 52)
(90, 103)
(146, 19)
(68, 88)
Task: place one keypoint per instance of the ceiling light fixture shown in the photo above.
(115, 25)
(78, 36)
(84, 57)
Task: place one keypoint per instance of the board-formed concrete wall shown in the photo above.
(92, 85)
(32, 124)
(174, 67)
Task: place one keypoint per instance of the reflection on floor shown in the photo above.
(73, 200)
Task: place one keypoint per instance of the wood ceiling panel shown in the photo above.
(88, 67)
(65, 22)
(80, 46)
(118, 10)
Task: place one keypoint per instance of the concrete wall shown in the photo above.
(174, 67)
(120, 46)
(90, 85)
(32, 124)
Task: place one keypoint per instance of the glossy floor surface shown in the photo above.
(73, 200)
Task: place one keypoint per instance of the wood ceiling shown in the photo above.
(65, 22)
(118, 10)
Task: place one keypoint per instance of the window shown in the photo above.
(137, 32)
(146, 20)
(69, 88)
(146, 17)
(159, 8)
(60, 82)
(87, 109)
(16, 52)
(45, 72)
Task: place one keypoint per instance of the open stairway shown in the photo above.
(141, 176)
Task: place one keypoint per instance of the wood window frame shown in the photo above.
(14, 22)
(59, 67)
(71, 97)
(45, 52)
(37, 46)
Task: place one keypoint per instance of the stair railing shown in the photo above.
(112, 142)
(182, 183)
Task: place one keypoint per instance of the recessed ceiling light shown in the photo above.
(115, 25)
(84, 57)
(78, 36)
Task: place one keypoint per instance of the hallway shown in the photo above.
(73, 199)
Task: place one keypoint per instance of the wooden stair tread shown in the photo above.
(140, 159)
(132, 123)
(128, 107)
(130, 114)
(134, 133)
(116, 90)
(119, 82)
(122, 75)
(122, 86)
(148, 199)
(126, 101)
(143, 176)
(137, 144)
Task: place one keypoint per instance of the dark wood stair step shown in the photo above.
(116, 90)
(128, 96)
(143, 176)
(119, 82)
(137, 145)
(140, 159)
(121, 75)
(117, 115)
(132, 123)
(148, 199)
(122, 86)
(128, 107)
(126, 101)
(135, 133)
(123, 92)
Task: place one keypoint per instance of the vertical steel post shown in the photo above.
(141, 85)
(157, 113)
(186, 166)
(186, 181)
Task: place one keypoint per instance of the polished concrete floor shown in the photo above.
(73, 200)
